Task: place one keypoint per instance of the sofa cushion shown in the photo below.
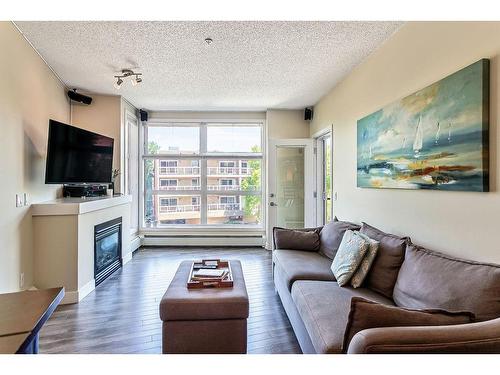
(385, 268)
(351, 252)
(302, 265)
(324, 309)
(331, 236)
(366, 314)
(431, 280)
(366, 264)
(307, 240)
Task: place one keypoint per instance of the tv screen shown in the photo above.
(75, 155)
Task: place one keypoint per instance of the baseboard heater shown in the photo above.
(233, 241)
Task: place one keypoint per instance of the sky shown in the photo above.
(219, 138)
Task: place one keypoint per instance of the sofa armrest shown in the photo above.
(287, 235)
(482, 337)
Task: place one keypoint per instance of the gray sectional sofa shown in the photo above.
(403, 275)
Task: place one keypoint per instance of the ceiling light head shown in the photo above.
(118, 83)
(208, 41)
(136, 80)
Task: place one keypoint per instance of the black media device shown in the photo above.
(80, 159)
(84, 190)
(308, 114)
(143, 114)
(80, 98)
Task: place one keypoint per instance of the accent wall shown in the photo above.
(463, 224)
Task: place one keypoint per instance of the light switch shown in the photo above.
(26, 201)
(19, 200)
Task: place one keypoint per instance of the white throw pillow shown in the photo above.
(363, 269)
(351, 251)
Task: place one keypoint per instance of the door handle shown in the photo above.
(272, 204)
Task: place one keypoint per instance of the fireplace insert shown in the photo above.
(107, 249)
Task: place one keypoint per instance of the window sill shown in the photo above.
(183, 230)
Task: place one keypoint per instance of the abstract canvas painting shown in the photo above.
(436, 138)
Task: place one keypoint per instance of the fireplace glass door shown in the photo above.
(107, 249)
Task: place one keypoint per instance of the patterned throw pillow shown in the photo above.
(351, 251)
(360, 274)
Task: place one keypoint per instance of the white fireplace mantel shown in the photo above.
(77, 206)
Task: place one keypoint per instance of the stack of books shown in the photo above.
(210, 274)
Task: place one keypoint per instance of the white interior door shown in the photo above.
(132, 170)
(291, 202)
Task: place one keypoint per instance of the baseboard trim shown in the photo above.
(127, 257)
(135, 243)
(203, 241)
(69, 298)
(76, 296)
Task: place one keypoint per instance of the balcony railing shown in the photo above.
(180, 171)
(211, 171)
(224, 207)
(228, 171)
(181, 208)
(232, 187)
(209, 187)
(195, 208)
(180, 187)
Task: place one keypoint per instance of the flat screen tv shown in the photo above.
(76, 156)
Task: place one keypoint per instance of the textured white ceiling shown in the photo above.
(249, 65)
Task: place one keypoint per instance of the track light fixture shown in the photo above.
(118, 83)
(134, 78)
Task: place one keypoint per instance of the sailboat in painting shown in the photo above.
(419, 138)
(438, 131)
(436, 138)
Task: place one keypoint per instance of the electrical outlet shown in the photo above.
(26, 201)
(19, 200)
(21, 280)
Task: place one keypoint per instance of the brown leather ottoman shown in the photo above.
(205, 320)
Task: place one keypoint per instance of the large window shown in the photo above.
(203, 174)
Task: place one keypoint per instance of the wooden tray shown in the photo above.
(227, 282)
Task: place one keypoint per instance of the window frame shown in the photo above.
(160, 198)
(203, 192)
(232, 180)
(167, 166)
(160, 179)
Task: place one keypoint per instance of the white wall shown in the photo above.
(459, 223)
(30, 95)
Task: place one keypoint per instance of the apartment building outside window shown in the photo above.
(203, 174)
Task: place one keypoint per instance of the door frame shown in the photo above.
(319, 167)
(131, 119)
(309, 188)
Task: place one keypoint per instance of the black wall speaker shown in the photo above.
(144, 115)
(73, 95)
(308, 113)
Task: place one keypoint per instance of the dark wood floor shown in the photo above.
(121, 315)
